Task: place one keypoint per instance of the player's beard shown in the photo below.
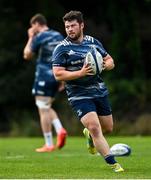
(76, 36)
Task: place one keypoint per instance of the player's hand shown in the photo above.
(108, 63)
(86, 70)
(31, 32)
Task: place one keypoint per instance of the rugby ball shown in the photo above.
(95, 60)
(120, 149)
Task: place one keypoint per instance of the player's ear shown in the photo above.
(82, 25)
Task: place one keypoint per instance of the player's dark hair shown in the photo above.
(38, 18)
(73, 15)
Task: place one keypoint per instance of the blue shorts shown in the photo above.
(45, 87)
(100, 105)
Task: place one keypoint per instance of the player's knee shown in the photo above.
(94, 130)
(43, 104)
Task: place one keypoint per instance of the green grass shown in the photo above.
(19, 160)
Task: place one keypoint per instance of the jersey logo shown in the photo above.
(71, 52)
(41, 83)
(79, 112)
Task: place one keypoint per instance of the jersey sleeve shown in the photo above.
(58, 57)
(100, 48)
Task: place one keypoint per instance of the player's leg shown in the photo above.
(106, 120)
(91, 122)
(86, 111)
(43, 104)
(107, 127)
(106, 123)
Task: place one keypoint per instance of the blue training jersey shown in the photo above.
(71, 56)
(43, 45)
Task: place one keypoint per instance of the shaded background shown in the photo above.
(124, 28)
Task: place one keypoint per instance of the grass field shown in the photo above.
(19, 161)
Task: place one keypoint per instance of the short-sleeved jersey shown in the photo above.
(43, 45)
(71, 56)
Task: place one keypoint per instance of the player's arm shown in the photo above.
(61, 74)
(61, 86)
(27, 53)
(108, 62)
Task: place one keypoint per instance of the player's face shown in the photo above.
(35, 27)
(74, 29)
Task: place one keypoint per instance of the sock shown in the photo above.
(57, 125)
(110, 159)
(48, 139)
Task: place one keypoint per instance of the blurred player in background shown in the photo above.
(86, 92)
(41, 42)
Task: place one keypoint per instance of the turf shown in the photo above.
(18, 160)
